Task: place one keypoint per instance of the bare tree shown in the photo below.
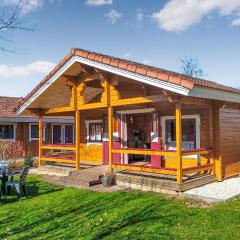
(10, 20)
(191, 67)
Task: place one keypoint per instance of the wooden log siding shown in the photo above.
(123, 95)
(230, 141)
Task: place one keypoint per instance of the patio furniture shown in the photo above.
(19, 185)
(3, 169)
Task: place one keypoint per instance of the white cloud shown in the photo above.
(236, 22)
(140, 14)
(147, 61)
(113, 15)
(178, 15)
(7, 71)
(98, 2)
(26, 5)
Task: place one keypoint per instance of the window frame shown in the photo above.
(88, 122)
(198, 130)
(30, 132)
(14, 131)
(63, 132)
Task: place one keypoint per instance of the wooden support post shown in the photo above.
(211, 136)
(218, 167)
(40, 139)
(77, 134)
(110, 137)
(179, 142)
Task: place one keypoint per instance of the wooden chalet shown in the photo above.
(135, 117)
(25, 128)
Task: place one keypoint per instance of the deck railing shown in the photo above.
(61, 157)
(164, 153)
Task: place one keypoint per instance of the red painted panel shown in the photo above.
(105, 140)
(57, 134)
(156, 143)
(116, 156)
(156, 160)
(68, 134)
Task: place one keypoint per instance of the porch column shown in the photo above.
(110, 137)
(40, 137)
(77, 134)
(179, 142)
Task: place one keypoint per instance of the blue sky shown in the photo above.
(155, 32)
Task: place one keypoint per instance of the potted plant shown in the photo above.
(107, 179)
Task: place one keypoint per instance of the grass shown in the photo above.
(53, 212)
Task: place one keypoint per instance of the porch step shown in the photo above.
(55, 170)
(159, 182)
(83, 178)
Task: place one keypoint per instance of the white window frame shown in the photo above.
(30, 132)
(87, 123)
(63, 125)
(14, 131)
(198, 124)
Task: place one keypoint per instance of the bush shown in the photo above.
(10, 150)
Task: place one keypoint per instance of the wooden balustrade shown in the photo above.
(163, 153)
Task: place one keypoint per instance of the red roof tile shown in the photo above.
(162, 74)
(8, 106)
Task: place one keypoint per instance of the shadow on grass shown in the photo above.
(35, 187)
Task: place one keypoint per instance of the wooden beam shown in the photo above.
(40, 137)
(58, 110)
(218, 164)
(179, 142)
(145, 169)
(97, 76)
(92, 106)
(140, 100)
(55, 147)
(145, 152)
(200, 168)
(35, 111)
(77, 134)
(49, 159)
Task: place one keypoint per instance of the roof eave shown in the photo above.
(115, 70)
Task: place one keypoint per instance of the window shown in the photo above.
(7, 132)
(33, 132)
(94, 130)
(190, 132)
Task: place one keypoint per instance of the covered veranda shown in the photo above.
(81, 89)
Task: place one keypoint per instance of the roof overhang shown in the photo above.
(214, 94)
(115, 70)
(194, 91)
(35, 120)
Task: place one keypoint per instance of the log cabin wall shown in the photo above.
(168, 109)
(230, 141)
(93, 152)
(90, 152)
(22, 135)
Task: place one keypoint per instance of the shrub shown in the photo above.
(10, 150)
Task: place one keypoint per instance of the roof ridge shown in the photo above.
(188, 77)
(172, 77)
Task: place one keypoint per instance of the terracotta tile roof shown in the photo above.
(146, 70)
(8, 106)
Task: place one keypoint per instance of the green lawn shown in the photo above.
(53, 212)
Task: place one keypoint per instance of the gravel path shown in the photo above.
(217, 191)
